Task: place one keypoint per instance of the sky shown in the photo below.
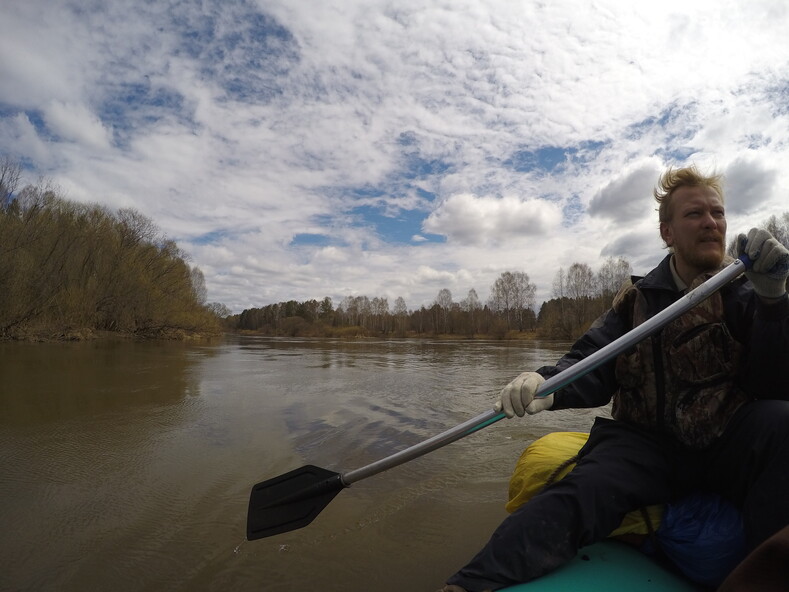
(298, 149)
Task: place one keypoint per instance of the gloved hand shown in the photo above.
(770, 262)
(517, 397)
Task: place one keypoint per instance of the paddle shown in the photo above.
(294, 499)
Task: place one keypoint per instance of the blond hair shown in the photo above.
(673, 179)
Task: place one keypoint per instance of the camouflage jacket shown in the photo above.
(686, 381)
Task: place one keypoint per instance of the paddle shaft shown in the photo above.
(555, 383)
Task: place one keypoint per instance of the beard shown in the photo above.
(707, 258)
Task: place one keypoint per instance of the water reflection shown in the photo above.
(43, 383)
(131, 463)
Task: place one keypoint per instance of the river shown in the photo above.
(127, 466)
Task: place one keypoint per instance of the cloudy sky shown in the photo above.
(298, 149)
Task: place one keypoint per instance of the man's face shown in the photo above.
(697, 230)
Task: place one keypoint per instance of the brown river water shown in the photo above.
(128, 466)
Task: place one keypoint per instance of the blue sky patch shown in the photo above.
(134, 105)
(679, 154)
(553, 159)
(407, 139)
(670, 117)
(778, 95)
(311, 239)
(417, 167)
(249, 60)
(544, 159)
(213, 237)
(573, 211)
(398, 228)
(414, 164)
(392, 223)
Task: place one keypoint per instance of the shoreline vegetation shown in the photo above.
(71, 271)
(507, 315)
(75, 272)
(359, 333)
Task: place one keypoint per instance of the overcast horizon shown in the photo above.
(298, 150)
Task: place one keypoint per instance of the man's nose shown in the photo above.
(709, 220)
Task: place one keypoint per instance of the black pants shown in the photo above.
(623, 469)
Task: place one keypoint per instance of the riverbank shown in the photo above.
(361, 333)
(52, 335)
(49, 335)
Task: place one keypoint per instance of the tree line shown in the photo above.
(580, 295)
(68, 270)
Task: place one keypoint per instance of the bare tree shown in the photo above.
(611, 276)
(10, 174)
(401, 314)
(365, 308)
(400, 307)
(779, 228)
(524, 299)
(471, 305)
(219, 309)
(513, 294)
(198, 285)
(379, 308)
(444, 302)
(580, 281)
(581, 289)
(554, 322)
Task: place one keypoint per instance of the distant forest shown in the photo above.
(69, 271)
(580, 296)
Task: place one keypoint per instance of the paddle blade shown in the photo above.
(290, 501)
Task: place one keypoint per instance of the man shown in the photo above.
(701, 405)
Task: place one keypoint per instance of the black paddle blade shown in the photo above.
(290, 501)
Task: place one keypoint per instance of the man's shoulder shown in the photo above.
(659, 278)
(656, 288)
(624, 291)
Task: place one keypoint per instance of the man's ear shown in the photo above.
(665, 234)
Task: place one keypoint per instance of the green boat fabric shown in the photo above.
(609, 566)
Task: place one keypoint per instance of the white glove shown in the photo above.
(517, 397)
(770, 262)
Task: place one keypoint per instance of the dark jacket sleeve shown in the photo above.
(764, 329)
(596, 388)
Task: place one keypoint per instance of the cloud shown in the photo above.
(626, 197)
(748, 184)
(642, 247)
(478, 220)
(21, 139)
(76, 123)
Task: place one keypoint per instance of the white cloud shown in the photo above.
(482, 220)
(749, 184)
(21, 139)
(623, 199)
(73, 122)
